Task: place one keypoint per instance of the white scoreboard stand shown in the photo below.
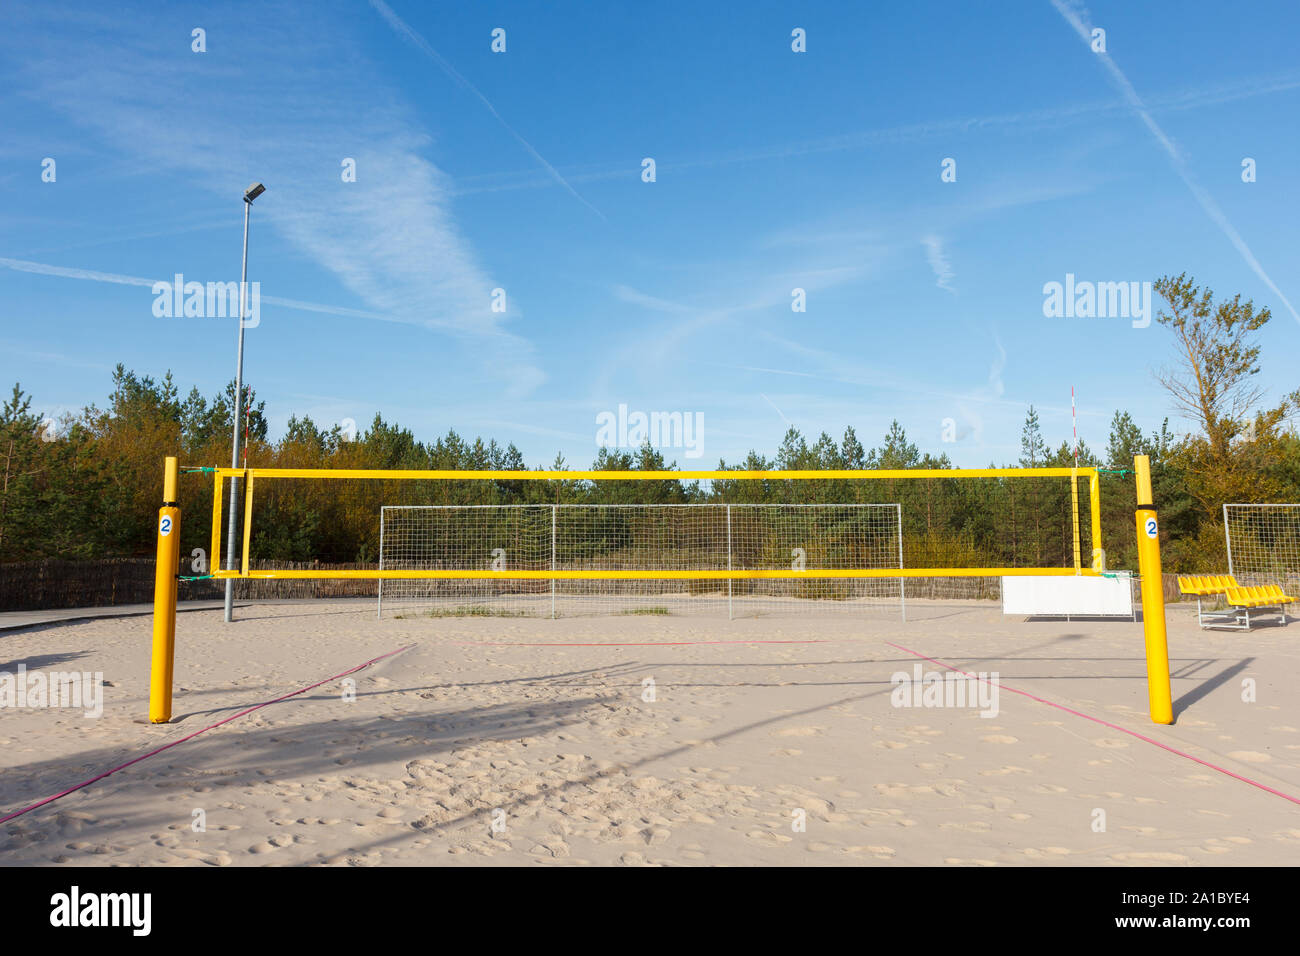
(1069, 596)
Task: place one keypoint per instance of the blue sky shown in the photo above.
(522, 171)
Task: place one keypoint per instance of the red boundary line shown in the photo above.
(249, 710)
(1107, 723)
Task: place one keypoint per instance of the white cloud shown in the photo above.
(939, 263)
(390, 238)
(995, 370)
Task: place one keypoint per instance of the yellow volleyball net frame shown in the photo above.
(1091, 565)
(1077, 563)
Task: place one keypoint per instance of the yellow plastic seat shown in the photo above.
(1200, 584)
(1269, 595)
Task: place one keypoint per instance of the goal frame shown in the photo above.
(1227, 534)
(895, 507)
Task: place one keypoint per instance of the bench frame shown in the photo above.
(1236, 617)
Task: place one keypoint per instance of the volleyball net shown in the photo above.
(555, 543)
(816, 536)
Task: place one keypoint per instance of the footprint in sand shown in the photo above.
(972, 827)
(903, 789)
(693, 851)
(1249, 756)
(799, 732)
(923, 731)
(1153, 857)
(879, 852)
(1046, 853)
(550, 846)
(1000, 739)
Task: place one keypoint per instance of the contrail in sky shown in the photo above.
(400, 25)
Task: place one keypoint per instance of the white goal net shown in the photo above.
(1264, 544)
(499, 539)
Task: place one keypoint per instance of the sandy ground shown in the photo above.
(468, 749)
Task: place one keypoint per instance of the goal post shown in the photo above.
(1263, 544)
(683, 545)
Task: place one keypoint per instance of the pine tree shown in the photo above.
(1033, 450)
(1125, 441)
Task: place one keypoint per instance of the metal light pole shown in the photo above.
(251, 193)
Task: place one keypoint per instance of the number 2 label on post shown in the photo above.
(165, 526)
(1151, 527)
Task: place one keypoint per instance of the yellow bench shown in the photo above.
(1269, 595)
(1201, 584)
(1241, 600)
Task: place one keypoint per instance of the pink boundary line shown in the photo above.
(615, 644)
(1106, 723)
(107, 773)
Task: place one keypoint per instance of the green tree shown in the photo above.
(1033, 449)
(1125, 441)
(1238, 449)
(852, 454)
(896, 453)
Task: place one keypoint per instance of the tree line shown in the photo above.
(88, 485)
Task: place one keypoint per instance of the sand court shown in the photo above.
(653, 740)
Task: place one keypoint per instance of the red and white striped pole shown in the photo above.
(1074, 416)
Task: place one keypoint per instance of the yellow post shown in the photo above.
(214, 553)
(248, 520)
(164, 598)
(1094, 506)
(1074, 517)
(1153, 597)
